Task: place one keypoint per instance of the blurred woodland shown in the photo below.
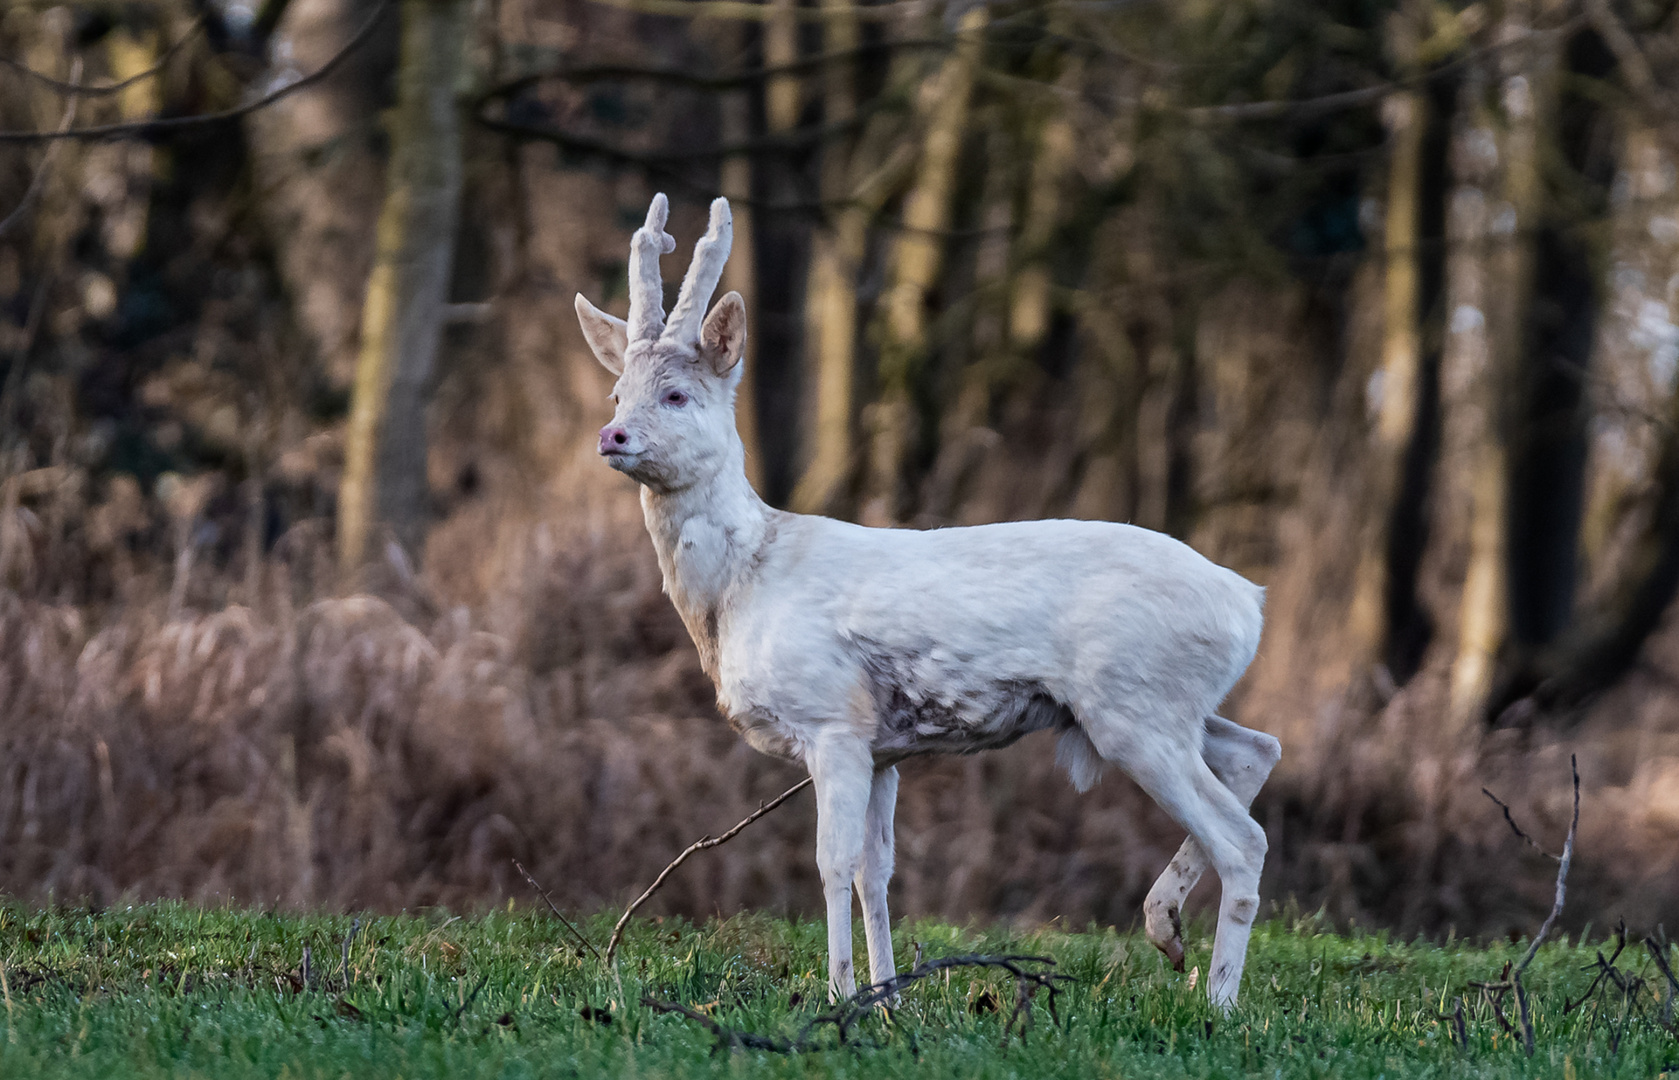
(312, 591)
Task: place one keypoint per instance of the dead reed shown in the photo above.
(248, 734)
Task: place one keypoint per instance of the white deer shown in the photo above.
(850, 649)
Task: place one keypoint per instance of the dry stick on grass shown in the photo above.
(1512, 978)
(1605, 969)
(344, 974)
(576, 933)
(847, 1013)
(11, 1013)
(470, 998)
(1460, 1027)
(1658, 953)
(698, 845)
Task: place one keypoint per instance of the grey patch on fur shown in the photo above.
(913, 719)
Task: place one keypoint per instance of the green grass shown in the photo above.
(174, 990)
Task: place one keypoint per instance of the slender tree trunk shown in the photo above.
(1467, 523)
(741, 273)
(402, 320)
(1395, 392)
(1635, 371)
(831, 299)
(915, 269)
(1029, 305)
(782, 93)
(130, 51)
(1490, 232)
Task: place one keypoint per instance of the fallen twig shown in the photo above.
(540, 891)
(1605, 969)
(699, 845)
(344, 972)
(726, 1037)
(470, 998)
(854, 1008)
(844, 1016)
(1658, 953)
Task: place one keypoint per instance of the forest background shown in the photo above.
(315, 594)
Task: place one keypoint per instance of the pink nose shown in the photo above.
(613, 440)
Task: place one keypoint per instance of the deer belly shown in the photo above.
(909, 722)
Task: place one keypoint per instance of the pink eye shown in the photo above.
(676, 397)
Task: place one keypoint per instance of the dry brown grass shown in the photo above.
(533, 696)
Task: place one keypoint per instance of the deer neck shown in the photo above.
(707, 537)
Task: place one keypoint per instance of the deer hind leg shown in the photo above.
(1242, 760)
(876, 873)
(1173, 773)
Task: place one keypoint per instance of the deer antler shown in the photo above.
(703, 274)
(647, 292)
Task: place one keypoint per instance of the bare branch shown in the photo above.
(748, 11)
(540, 891)
(1517, 829)
(1635, 67)
(165, 124)
(858, 1005)
(726, 1037)
(1369, 95)
(74, 88)
(1658, 953)
(1523, 1014)
(38, 181)
(701, 844)
(1563, 864)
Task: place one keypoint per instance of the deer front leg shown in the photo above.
(876, 873)
(843, 770)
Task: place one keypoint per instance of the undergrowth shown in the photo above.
(170, 989)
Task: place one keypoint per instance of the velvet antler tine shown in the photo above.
(647, 293)
(704, 273)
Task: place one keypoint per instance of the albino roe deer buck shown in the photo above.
(850, 648)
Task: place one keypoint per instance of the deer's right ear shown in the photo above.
(607, 335)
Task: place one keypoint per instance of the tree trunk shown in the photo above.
(1633, 380)
(1394, 397)
(915, 269)
(1489, 234)
(831, 299)
(740, 274)
(384, 480)
(1029, 305)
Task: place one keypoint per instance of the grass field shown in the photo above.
(174, 990)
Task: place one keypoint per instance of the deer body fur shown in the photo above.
(849, 648)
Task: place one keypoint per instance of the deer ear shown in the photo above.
(607, 335)
(723, 337)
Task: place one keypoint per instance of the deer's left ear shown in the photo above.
(607, 335)
(723, 337)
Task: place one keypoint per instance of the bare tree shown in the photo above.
(402, 320)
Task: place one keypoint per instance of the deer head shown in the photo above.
(674, 422)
